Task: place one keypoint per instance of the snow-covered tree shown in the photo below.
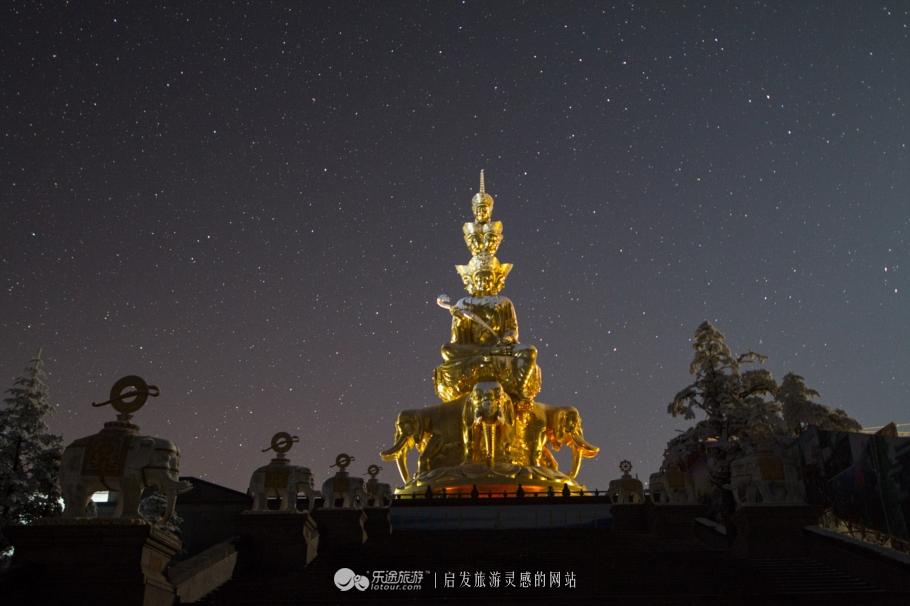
(800, 411)
(740, 414)
(29, 455)
(153, 508)
(737, 410)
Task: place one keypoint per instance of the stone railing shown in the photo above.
(478, 495)
(881, 566)
(205, 572)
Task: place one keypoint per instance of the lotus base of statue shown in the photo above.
(496, 480)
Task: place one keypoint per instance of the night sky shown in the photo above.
(254, 207)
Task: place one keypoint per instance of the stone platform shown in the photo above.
(93, 561)
(486, 512)
(559, 564)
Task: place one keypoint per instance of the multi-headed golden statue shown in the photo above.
(484, 344)
(488, 432)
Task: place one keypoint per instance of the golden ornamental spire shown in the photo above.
(482, 204)
(483, 235)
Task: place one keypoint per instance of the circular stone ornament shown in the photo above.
(130, 393)
(342, 461)
(282, 442)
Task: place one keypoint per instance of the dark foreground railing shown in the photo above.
(488, 497)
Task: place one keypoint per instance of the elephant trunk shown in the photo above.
(399, 453)
(588, 449)
(170, 485)
(489, 438)
(401, 443)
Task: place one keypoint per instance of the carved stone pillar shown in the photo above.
(378, 524)
(341, 529)
(277, 541)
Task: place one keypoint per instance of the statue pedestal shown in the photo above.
(672, 521)
(764, 531)
(379, 523)
(106, 561)
(278, 541)
(341, 529)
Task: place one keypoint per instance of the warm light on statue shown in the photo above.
(489, 431)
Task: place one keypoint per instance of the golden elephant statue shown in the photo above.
(564, 429)
(435, 431)
(489, 416)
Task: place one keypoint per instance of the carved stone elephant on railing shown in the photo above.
(686, 470)
(343, 492)
(378, 494)
(657, 486)
(765, 477)
(284, 481)
(120, 460)
(677, 487)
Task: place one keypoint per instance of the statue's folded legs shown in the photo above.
(518, 373)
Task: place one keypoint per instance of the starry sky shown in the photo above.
(254, 206)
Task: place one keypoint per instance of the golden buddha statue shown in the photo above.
(483, 235)
(488, 433)
(484, 337)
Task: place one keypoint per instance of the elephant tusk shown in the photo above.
(402, 462)
(580, 448)
(576, 464)
(583, 446)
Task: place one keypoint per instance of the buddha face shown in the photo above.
(483, 282)
(482, 207)
(484, 275)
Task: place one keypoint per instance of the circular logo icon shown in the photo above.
(345, 578)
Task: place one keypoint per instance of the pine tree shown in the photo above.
(800, 411)
(734, 401)
(739, 416)
(29, 455)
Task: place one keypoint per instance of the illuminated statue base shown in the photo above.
(502, 477)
